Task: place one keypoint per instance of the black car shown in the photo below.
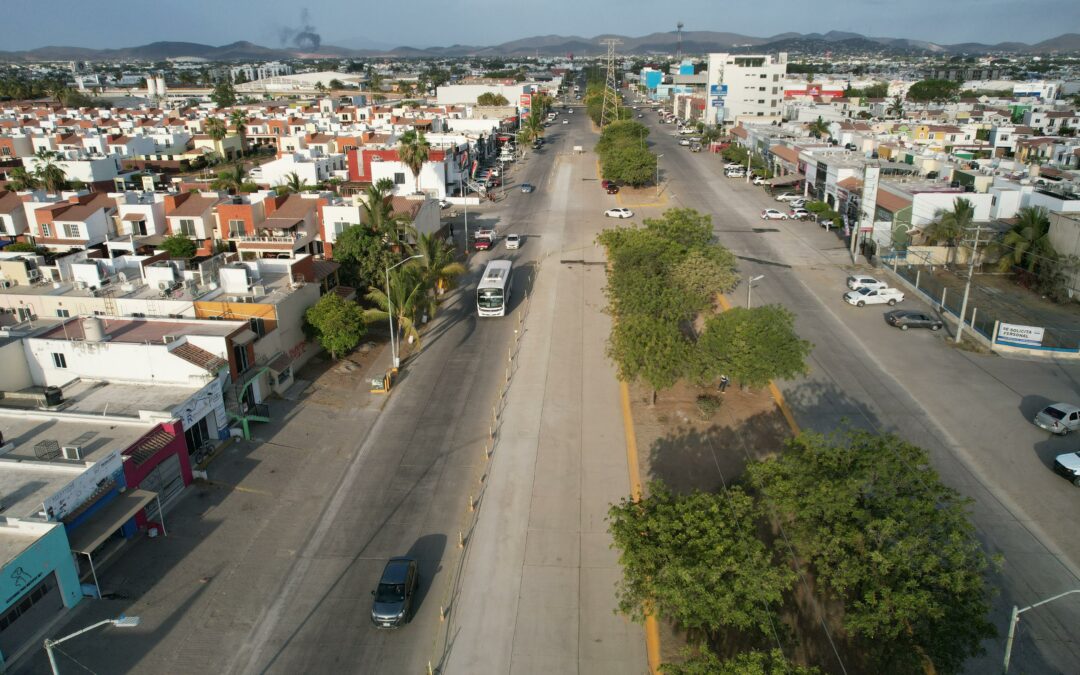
(393, 603)
(905, 318)
(613, 189)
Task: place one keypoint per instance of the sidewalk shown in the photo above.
(230, 539)
(538, 591)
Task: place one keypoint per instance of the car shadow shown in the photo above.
(1031, 404)
(428, 552)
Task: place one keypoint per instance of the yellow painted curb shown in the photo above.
(652, 628)
(773, 389)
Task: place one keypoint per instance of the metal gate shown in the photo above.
(167, 481)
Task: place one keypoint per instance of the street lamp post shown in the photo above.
(750, 286)
(390, 306)
(1016, 612)
(120, 622)
(658, 175)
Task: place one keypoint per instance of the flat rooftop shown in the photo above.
(16, 537)
(139, 331)
(96, 397)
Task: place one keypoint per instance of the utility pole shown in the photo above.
(610, 110)
(967, 286)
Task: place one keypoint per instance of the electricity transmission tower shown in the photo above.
(610, 111)
(678, 43)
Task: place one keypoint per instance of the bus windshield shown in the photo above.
(489, 298)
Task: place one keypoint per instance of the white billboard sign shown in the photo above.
(1024, 335)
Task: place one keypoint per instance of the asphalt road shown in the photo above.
(970, 411)
(406, 491)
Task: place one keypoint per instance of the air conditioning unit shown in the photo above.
(258, 290)
(81, 285)
(71, 452)
(6, 283)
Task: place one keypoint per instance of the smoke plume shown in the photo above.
(305, 37)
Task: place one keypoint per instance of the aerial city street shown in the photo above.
(346, 347)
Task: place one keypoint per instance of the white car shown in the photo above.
(758, 180)
(513, 241)
(798, 214)
(566, 121)
(684, 141)
(788, 197)
(797, 203)
(619, 212)
(773, 214)
(874, 296)
(857, 281)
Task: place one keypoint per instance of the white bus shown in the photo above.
(495, 288)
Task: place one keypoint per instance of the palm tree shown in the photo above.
(438, 267)
(413, 149)
(409, 298)
(293, 183)
(1028, 241)
(951, 225)
(232, 180)
(819, 128)
(20, 179)
(50, 174)
(216, 130)
(240, 119)
(896, 107)
(379, 211)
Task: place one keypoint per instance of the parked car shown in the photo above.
(773, 214)
(797, 203)
(619, 212)
(527, 187)
(513, 241)
(695, 147)
(799, 214)
(735, 173)
(1059, 418)
(905, 319)
(857, 281)
(605, 184)
(566, 121)
(1068, 465)
(788, 197)
(613, 189)
(394, 595)
(874, 296)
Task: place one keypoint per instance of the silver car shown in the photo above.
(1059, 418)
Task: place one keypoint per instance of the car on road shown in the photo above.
(874, 296)
(758, 180)
(605, 184)
(787, 197)
(684, 141)
(527, 187)
(513, 242)
(905, 319)
(1068, 465)
(773, 214)
(640, 115)
(566, 121)
(1059, 418)
(799, 214)
(393, 604)
(797, 203)
(619, 212)
(613, 189)
(857, 281)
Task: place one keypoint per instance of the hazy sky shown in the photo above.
(422, 23)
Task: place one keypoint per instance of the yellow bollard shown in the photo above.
(460, 540)
(472, 506)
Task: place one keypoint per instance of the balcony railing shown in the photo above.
(250, 239)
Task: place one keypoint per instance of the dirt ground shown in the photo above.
(687, 452)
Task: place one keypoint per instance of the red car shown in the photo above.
(482, 245)
(605, 184)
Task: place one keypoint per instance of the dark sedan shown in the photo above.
(613, 189)
(393, 603)
(904, 319)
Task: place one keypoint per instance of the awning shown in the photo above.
(280, 363)
(109, 519)
(134, 217)
(243, 337)
(789, 179)
(278, 223)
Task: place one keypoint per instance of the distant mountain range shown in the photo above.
(693, 42)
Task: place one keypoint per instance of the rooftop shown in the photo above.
(138, 331)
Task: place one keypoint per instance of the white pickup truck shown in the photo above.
(874, 296)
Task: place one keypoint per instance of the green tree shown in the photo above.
(950, 226)
(887, 537)
(24, 247)
(704, 662)
(696, 559)
(408, 300)
(338, 323)
(363, 256)
(20, 179)
(320, 87)
(223, 95)
(491, 98)
(48, 173)
(876, 90)
(706, 271)
(752, 346)
(933, 90)
(378, 211)
(437, 263)
(178, 246)
(649, 348)
(1028, 241)
(413, 149)
(336, 84)
(629, 164)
